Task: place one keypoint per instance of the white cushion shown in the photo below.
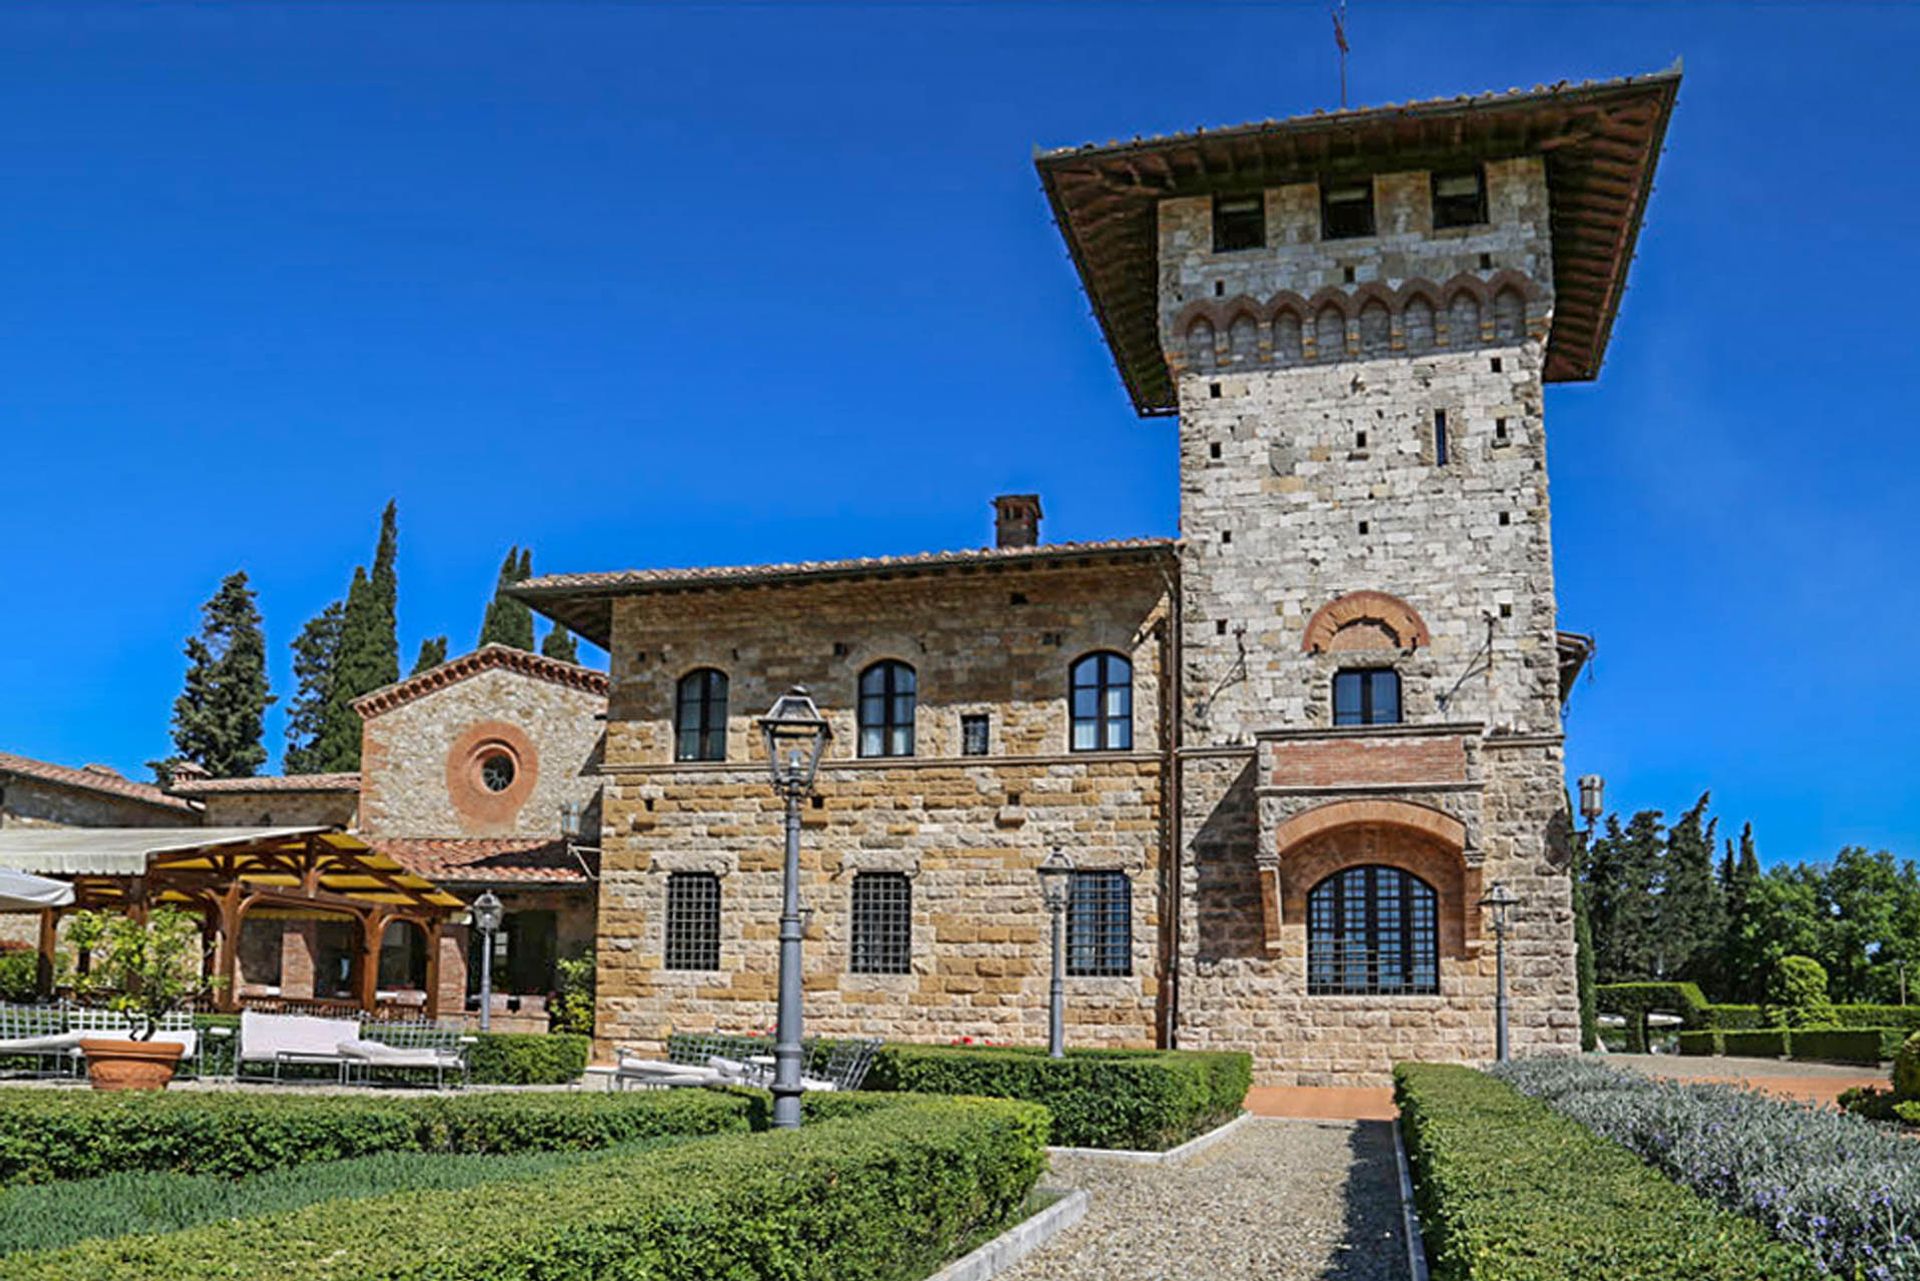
(380, 1054)
(264, 1036)
(41, 1044)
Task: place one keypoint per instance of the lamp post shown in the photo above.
(1593, 790)
(1056, 878)
(486, 918)
(1500, 899)
(795, 735)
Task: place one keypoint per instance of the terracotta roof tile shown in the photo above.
(93, 778)
(544, 860)
(268, 783)
(486, 658)
(579, 600)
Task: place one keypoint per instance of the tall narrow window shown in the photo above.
(1366, 696)
(1102, 703)
(1346, 209)
(1239, 222)
(693, 921)
(700, 717)
(882, 923)
(1439, 438)
(1099, 924)
(1459, 198)
(974, 734)
(1373, 931)
(887, 691)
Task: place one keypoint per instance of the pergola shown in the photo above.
(225, 873)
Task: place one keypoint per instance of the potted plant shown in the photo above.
(144, 970)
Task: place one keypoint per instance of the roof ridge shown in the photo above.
(487, 657)
(93, 780)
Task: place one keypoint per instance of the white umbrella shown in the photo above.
(25, 892)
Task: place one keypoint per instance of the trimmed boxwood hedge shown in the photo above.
(1634, 1001)
(1733, 1018)
(1139, 1099)
(1765, 1043)
(886, 1196)
(1510, 1191)
(1700, 1042)
(1842, 1045)
(47, 1135)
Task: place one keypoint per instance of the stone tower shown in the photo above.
(1354, 316)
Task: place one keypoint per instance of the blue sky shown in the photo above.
(645, 285)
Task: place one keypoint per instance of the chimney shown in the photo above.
(187, 772)
(1016, 520)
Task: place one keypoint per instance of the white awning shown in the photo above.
(25, 892)
(120, 851)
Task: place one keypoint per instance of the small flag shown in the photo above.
(1340, 28)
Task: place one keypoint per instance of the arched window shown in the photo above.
(886, 709)
(1373, 931)
(700, 717)
(1102, 703)
(1366, 696)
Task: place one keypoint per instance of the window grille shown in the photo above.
(887, 693)
(1372, 931)
(882, 923)
(701, 717)
(1366, 696)
(1099, 924)
(693, 921)
(1102, 691)
(1239, 222)
(974, 736)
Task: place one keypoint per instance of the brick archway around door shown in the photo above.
(1314, 844)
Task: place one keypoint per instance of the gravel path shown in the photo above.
(1279, 1200)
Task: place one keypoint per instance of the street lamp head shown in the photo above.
(796, 734)
(1593, 789)
(1056, 875)
(1500, 899)
(486, 912)
(570, 819)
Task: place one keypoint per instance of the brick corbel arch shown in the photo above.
(1390, 612)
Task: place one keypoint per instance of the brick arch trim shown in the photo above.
(1398, 617)
(1444, 828)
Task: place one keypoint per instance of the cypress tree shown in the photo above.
(559, 644)
(218, 720)
(339, 742)
(433, 652)
(1691, 915)
(508, 621)
(1624, 878)
(315, 652)
(1741, 981)
(384, 663)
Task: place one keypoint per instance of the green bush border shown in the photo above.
(1755, 1043)
(1634, 1001)
(1510, 1191)
(1134, 1099)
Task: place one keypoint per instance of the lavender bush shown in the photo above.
(1839, 1186)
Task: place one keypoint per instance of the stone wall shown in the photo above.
(420, 760)
(968, 831)
(279, 808)
(27, 802)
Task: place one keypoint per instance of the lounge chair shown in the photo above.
(292, 1040)
(410, 1046)
(39, 1032)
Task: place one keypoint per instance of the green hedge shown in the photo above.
(1842, 1045)
(1766, 1043)
(1510, 1191)
(528, 1058)
(1139, 1099)
(1700, 1042)
(1634, 1001)
(1901, 1016)
(882, 1197)
(46, 1135)
(1733, 1018)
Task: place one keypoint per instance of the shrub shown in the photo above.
(1634, 1001)
(1844, 1190)
(528, 1058)
(1702, 1042)
(571, 1009)
(1767, 1043)
(1900, 1016)
(1797, 994)
(47, 1135)
(1906, 1069)
(1508, 1191)
(1733, 1018)
(19, 976)
(1139, 1099)
(1839, 1045)
(880, 1197)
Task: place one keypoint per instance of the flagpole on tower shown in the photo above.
(1339, 12)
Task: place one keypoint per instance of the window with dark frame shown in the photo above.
(1099, 925)
(1366, 696)
(1459, 198)
(693, 921)
(1102, 695)
(700, 716)
(1373, 931)
(1239, 222)
(974, 734)
(882, 923)
(1439, 438)
(887, 696)
(1346, 209)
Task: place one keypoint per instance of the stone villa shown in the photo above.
(1289, 751)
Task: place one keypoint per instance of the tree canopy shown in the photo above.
(218, 719)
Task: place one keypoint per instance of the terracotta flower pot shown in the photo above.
(130, 1065)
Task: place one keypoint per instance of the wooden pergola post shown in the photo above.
(432, 930)
(373, 930)
(226, 962)
(49, 942)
